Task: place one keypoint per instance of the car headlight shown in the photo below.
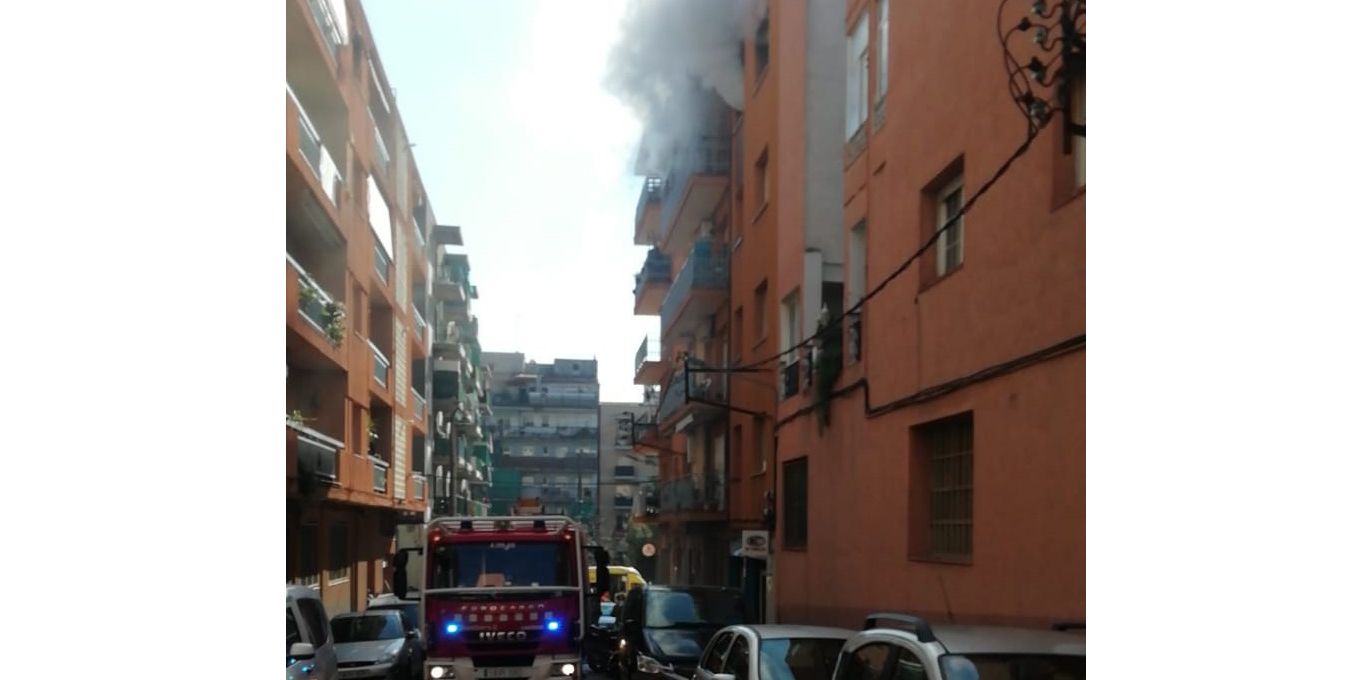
(390, 654)
(650, 665)
(437, 672)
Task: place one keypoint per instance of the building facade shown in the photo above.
(545, 424)
(357, 224)
(926, 453)
(621, 474)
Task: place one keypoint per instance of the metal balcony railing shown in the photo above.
(316, 453)
(623, 472)
(382, 263)
(643, 354)
(710, 155)
(324, 13)
(313, 300)
(315, 153)
(657, 269)
(418, 487)
(693, 493)
(381, 365)
(420, 404)
(705, 269)
(422, 327)
(789, 378)
(704, 387)
(381, 157)
(652, 194)
(380, 476)
(623, 502)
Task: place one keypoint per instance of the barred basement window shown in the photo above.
(944, 451)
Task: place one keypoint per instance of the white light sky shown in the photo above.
(518, 142)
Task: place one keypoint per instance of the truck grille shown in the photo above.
(498, 660)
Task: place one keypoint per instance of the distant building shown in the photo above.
(622, 472)
(545, 425)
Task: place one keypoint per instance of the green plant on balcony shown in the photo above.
(334, 321)
(297, 417)
(307, 294)
(827, 370)
(371, 427)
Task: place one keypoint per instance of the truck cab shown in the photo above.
(503, 597)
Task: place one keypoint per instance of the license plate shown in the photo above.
(504, 672)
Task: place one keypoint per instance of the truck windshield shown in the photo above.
(494, 565)
(693, 608)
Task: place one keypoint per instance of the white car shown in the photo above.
(915, 650)
(746, 652)
(310, 652)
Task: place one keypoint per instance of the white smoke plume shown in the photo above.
(671, 55)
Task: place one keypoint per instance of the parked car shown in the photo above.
(310, 652)
(912, 649)
(375, 644)
(772, 653)
(664, 629)
(410, 611)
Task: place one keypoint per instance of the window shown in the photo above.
(948, 250)
(796, 503)
(736, 663)
(909, 667)
(759, 437)
(883, 49)
(763, 45)
(941, 498)
(715, 651)
(789, 326)
(763, 180)
(368, 627)
(315, 619)
(759, 309)
(476, 565)
(798, 658)
(291, 631)
(338, 553)
(308, 555)
(865, 663)
(857, 77)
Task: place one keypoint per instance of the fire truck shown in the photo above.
(503, 597)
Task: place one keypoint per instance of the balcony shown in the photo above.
(422, 326)
(651, 283)
(692, 189)
(382, 263)
(448, 285)
(648, 366)
(380, 475)
(647, 212)
(418, 487)
(330, 24)
(448, 340)
(317, 307)
(548, 432)
(699, 494)
(381, 158)
(789, 378)
(700, 288)
(316, 155)
(381, 365)
(421, 408)
(699, 394)
(315, 453)
(623, 472)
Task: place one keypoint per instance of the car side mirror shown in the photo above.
(412, 634)
(301, 651)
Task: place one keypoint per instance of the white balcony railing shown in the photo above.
(381, 365)
(313, 151)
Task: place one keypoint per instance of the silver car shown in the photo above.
(310, 653)
(908, 647)
(772, 653)
(375, 644)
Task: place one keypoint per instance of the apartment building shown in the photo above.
(545, 423)
(683, 216)
(462, 470)
(356, 227)
(621, 474)
(958, 393)
(926, 455)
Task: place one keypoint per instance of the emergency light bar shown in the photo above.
(553, 524)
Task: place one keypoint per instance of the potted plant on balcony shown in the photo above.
(827, 367)
(307, 294)
(297, 417)
(334, 322)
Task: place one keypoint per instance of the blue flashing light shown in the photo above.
(452, 628)
(553, 625)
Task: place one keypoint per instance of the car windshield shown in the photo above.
(695, 608)
(382, 626)
(493, 565)
(411, 612)
(1012, 667)
(798, 658)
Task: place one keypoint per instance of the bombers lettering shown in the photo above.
(501, 635)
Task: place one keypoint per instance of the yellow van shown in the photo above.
(622, 578)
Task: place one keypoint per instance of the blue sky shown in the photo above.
(519, 143)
